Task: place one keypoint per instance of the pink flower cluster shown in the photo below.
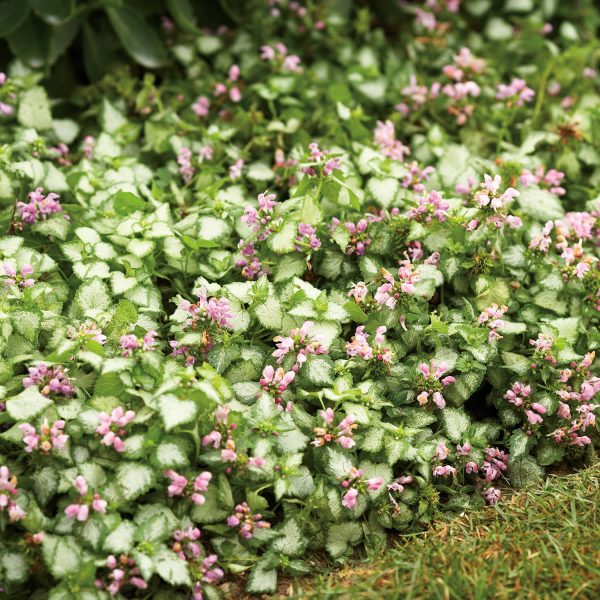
(550, 180)
(5, 109)
(8, 491)
(516, 92)
(129, 343)
(184, 160)
(415, 176)
(492, 317)
(80, 510)
(320, 156)
(342, 434)
(489, 198)
(465, 64)
(298, 342)
(123, 572)
(360, 346)
(384, 136)
(49, 438)
(87, 147)
(576, 261)
(21, 278)
(398, 484)
(201, 106)
(543, 350)
(208, 311)
(189, 549)
(390, 292)
(519, 395)
(278, 53)
(180, 486)
(542, 242)
(50, 380)
(359, 238)
(307, 238)
(430, 207)
(221, 435)
(259, 220)
(112, 426)
(430, 383)
(39, 206)
(230, 87)
(275, 382)
(86, 332)
(580, 226)
(355, 483)
(245, 521)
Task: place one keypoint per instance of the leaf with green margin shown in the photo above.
(139, 39)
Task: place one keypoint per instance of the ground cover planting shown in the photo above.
(282, 281)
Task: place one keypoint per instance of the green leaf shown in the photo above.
(34, 109)
(519, 444)
(139, 39)
(340, 536)
(284, 240)
(176, 412)
(28, 404)
(182, 12)
(171, 568)
(53, 11)
(92, 298)
(13, 565)
(540, 204)
(171, 454)
(524, 472)
(548, 452)
(515, 362)
(135, 479)
(456, 422)
(318, 370)
(62, 555)
(262, 579)
(292, 542)
(311, 211)
(27, 324)
(126, 203)
(337, 463)
(269, 313)
(120, 539)
(12, 15)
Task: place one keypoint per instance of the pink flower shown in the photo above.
(350, 498)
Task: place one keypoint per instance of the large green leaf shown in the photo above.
(139, 39)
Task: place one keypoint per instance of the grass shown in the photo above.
(541, 543)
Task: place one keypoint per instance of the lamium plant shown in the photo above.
(327, 277)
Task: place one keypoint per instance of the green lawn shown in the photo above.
(537, 544)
